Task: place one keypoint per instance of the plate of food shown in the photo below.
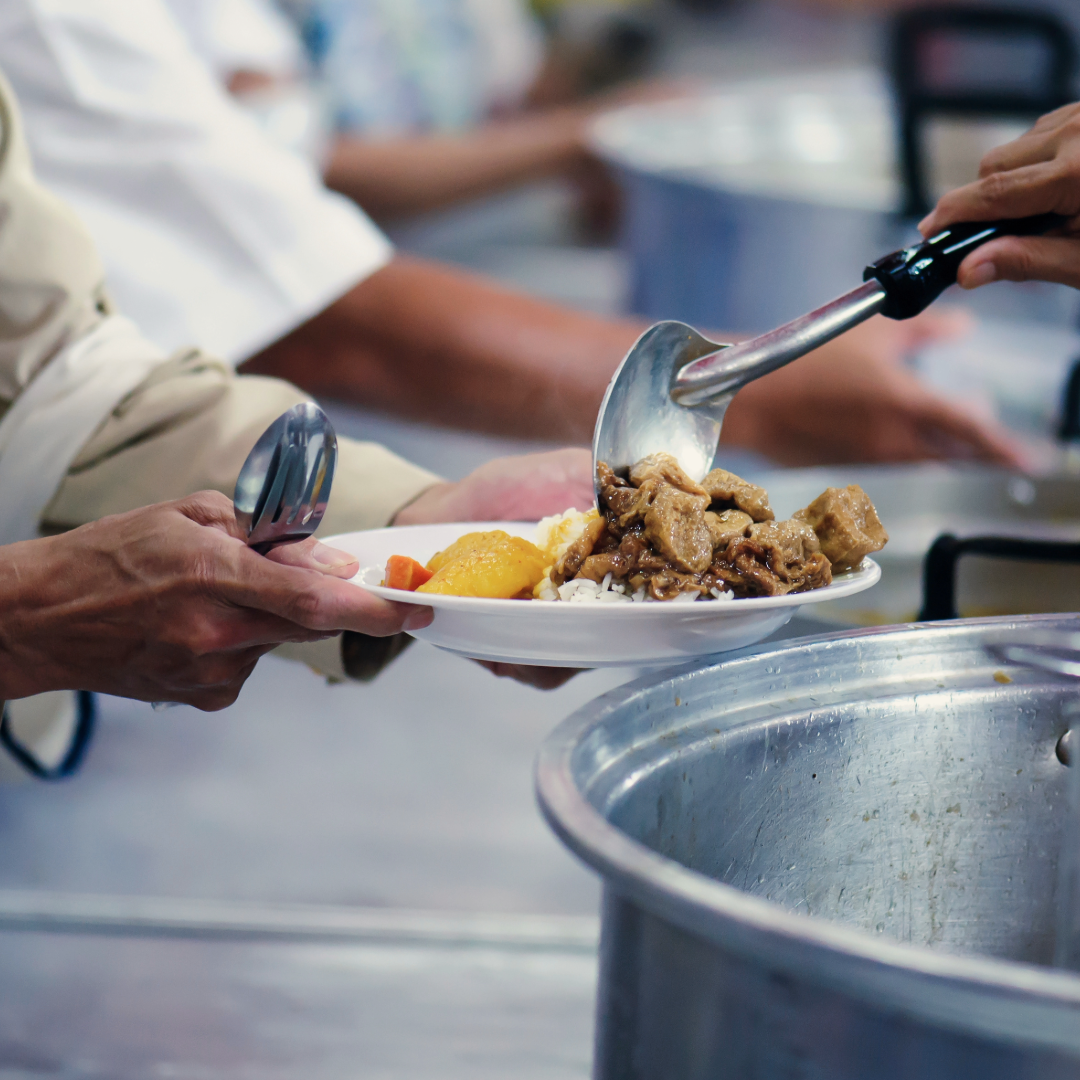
(666, 569)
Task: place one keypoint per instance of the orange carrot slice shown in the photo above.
(405, 573)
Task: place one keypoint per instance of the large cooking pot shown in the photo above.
(833, 859)
(919, 503)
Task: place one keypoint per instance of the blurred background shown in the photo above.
(745, 158)
(352, 880)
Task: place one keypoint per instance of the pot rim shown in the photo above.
(1017, 1001)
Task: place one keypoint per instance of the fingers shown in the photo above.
(296, 595)
(1032, 148)
(1015, 258)
(540, 678)
(948, 433)
(315, 601)
(210, 508)
(311, 554)
(1042, 142)
(1046, 187)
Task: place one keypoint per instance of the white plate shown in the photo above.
(557, 634)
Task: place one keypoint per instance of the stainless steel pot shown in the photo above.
(920, 503)
(834, 859)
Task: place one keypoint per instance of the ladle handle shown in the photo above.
(916, 276)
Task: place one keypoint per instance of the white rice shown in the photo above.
(556, 533)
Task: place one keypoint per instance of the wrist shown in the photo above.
(419, 509)
(26, 570)
(565, 131)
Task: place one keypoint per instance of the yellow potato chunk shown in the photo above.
(493, 565)
(461, 548)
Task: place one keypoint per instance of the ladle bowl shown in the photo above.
(639, 417)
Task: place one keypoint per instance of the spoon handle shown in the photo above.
(915, 277)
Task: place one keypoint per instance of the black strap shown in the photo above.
(86, 720)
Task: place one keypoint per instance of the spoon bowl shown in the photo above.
(283, 487)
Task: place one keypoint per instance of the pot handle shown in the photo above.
(939, 567)
(1069, 423)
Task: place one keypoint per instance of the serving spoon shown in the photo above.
(283, 486)
(673, 389)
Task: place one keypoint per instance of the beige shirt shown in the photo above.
(186, 427)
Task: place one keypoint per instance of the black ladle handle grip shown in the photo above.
(939, 567)
(916, 276)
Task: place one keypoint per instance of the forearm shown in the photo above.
(30, 578)
(402, 176)
(448, 347)
(190, 427)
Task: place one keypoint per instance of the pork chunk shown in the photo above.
(730, 492)
(664, 467)
(675, 524)
(618, 496)
(793, 553)
(846, 524)
(597, 567)
(728, 526)
(792, 540)
(578, 551)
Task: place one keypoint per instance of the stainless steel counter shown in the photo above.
(133, 1008)
(290, 841)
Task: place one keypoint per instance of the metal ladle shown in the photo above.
(673, 388)
(283, 486)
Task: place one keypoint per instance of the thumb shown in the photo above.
(1015, 258)
(310, 554)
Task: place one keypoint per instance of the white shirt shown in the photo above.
(210, 234)
(396, 66)
(241, 35)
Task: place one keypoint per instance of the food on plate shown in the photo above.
(661, 536)
(493, 564)
(405, 573)
(846, 524)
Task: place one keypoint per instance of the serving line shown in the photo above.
(142, 916)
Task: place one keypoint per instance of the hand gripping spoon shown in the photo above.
(283, 487)
(673, 388)
(284, 484)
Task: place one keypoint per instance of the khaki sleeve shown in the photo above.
(190, 426)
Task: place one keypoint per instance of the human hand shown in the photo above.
(1036, 174)
(853, 401)
(539, 678)
(522, 488)
(169, 603)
